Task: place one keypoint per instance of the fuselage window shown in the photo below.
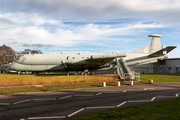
(73, 57)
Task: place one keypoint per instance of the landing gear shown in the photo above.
(35, 73)
(86, 72)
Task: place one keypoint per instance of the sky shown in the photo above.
(88, 25)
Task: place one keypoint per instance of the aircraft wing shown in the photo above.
(101, 59)
(160, 52)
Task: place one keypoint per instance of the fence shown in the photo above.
(131, 76)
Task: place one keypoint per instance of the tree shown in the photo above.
(29, 51)
(6, 55)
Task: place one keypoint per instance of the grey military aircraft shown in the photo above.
(86, 62)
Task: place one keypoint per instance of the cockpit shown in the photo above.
(18, 57)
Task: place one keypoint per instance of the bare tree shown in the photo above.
(6, 55)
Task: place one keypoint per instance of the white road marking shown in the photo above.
(100, 107)
(46, 99)
(139, 101)
(65, 97)
(176, 95)
(4, 103)
(153, 98)
(99, 93)
(165, 96)
(22, 101)
(33, 118)
(76, 112)
(82, 95)
(121, 104)
(124, 91)
(145, 89)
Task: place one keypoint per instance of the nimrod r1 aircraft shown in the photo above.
(88, 62)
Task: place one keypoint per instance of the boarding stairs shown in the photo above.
(123, 71)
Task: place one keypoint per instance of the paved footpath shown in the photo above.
(65, 104)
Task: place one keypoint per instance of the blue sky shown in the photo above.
(88, 25)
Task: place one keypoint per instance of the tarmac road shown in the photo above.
(65, 104)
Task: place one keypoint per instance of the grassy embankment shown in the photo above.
(159, 110)
(13, 83)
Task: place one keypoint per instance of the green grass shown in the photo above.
(159, 110)
(160, 77)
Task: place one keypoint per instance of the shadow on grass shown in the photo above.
(55, 74)
(95, 85)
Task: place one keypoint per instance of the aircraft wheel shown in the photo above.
(23, 73)
(89, 73)
(82, 73)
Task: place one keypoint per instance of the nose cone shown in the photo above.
(12, 67)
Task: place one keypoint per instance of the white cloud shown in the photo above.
(31, 30)
(160, 10)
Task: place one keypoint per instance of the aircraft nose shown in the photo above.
(11, 67)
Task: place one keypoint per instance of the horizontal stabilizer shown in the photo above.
(161, 52)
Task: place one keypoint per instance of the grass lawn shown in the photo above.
(160, 77)
(159, 110)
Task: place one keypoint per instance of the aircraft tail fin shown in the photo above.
(151, 48)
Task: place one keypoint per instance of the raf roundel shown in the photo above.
(146, 50)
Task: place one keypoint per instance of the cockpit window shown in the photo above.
(17, 57)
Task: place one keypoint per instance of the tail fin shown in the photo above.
(162, 51)
(151, 48)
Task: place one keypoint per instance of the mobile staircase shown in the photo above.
(124, 72)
